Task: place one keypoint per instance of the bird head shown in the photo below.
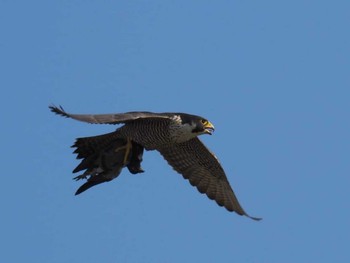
(193, 125)
(203, 126)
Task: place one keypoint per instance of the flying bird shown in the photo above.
(174, 135)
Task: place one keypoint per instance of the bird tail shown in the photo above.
(103, 158)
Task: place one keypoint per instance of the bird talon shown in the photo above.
(82, 176)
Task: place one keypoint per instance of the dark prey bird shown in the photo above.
(174, 135)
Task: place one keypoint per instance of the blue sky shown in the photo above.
(272, 76)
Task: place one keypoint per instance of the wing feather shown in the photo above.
(201, 167)
(108, 118)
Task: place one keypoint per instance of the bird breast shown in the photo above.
(181, 132)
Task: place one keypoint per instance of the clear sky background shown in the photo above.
(272, 76)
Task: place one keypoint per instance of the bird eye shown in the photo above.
(204, 122)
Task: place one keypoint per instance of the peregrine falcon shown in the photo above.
(174, 135)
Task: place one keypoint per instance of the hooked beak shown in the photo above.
(209, 128)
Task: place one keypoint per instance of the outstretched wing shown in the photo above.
(197, 164)
(108, 118)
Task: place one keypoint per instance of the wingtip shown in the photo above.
(58, 110)
(246, 215)
(78, 192)
(83, 188)
(255, 218)
(251, 217)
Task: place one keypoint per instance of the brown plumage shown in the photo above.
(174, 135)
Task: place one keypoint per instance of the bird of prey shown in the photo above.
(174, 135)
